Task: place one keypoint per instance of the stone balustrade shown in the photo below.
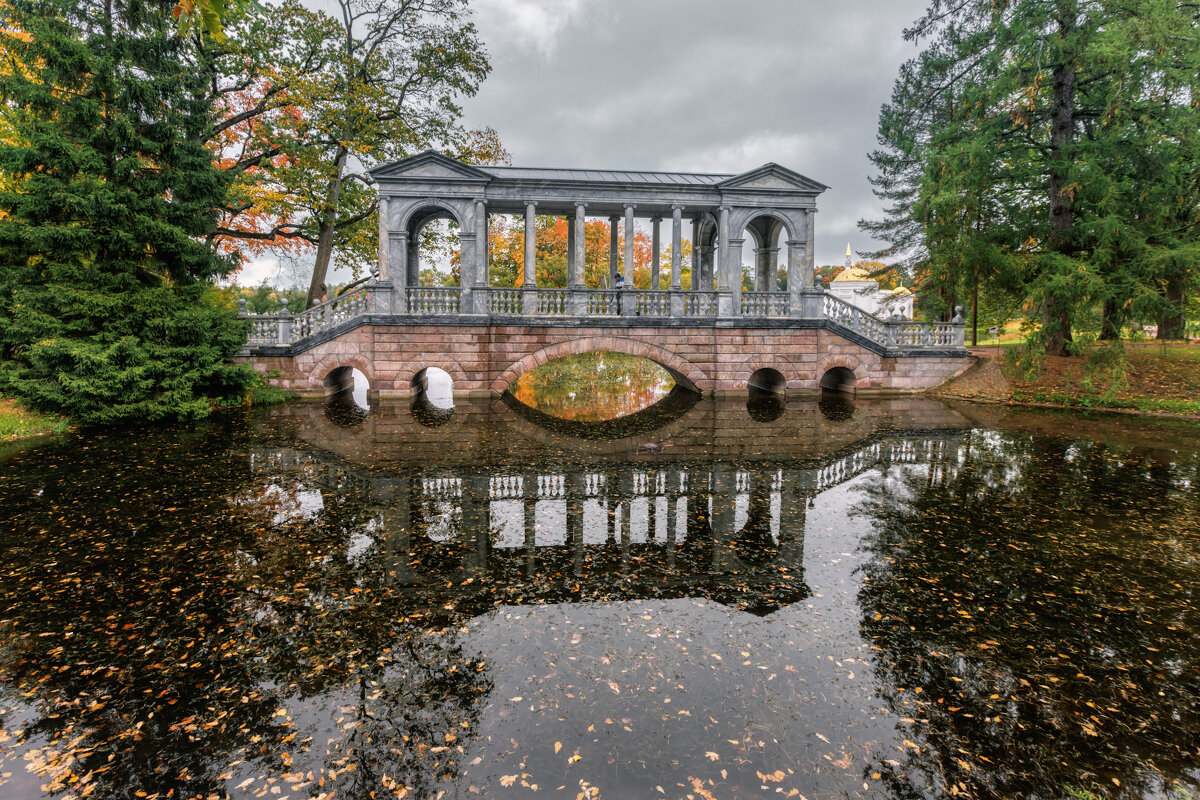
(379, 300)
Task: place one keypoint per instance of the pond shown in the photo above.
(885, 599)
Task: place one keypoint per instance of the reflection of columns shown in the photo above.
(793, 512)
(530, 246)
(723, 493)
(397, 532)
(629, 235)
(695, 254)
(625, 519)
(529, 485)
(476, 506)
(613, 250)
(676, 245)
(575, 494)
(384, 265)
(655, 223)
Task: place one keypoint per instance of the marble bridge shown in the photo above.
(713, 337)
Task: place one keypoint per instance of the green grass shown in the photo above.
(1150, 404)
(17, 422)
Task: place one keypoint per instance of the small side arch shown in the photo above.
(745, 218)
(416, 214)
(686, 374)
(316, 378)
(779, 364)
(843, 373)
(409, 369)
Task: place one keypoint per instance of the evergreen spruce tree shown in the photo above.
(106, 194)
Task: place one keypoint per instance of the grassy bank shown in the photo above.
(1151, 379)
(17, 422)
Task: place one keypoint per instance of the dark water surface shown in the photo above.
(891, 599)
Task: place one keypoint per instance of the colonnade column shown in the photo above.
(482, 259)
(725, 300)
(398, 269)
(577, 266)
(696, 266)
(613, 250)
(529, 299)
(810, 253)
(655, 252)
(628, 298)
(384, 266)
(676, 299)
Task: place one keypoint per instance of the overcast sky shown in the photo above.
(699, 85)
(696, 85)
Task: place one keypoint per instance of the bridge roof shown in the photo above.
(610, 176)
(606, 191)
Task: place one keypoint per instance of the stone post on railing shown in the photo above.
(284, 325)
(960, 327)
(812, 301)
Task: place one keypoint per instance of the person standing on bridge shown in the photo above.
(620, 281)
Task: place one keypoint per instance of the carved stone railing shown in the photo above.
(897, 332)
(603, 303)
(653, 303)
(552, 302)
(699, 304)
(504, 301)
(765, 304)
(381, 299)
(433, 299)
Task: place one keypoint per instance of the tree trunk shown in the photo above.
(975, 314)
(1111, 320)
(1056, 319)
(325, 228)
(1171, 323)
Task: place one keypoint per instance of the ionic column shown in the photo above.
(481, 240)
(655, 222)
(578, 248)
(570, 248)
(809, 250)
(723, 254)
(629, 207)
(733, 266)
(530, 246)
(614, 250)
(384, 264)
(695, 254)
(676, 246)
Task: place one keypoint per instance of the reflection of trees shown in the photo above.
(1032, 607)
(593, 386)
(122, 642)
(338, 626)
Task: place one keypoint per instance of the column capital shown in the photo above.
(677, 207)
(478, 200)
(656, 218)
(531, 203)
(629, 206)
(614, 218)
(725, 209)
(580, 204)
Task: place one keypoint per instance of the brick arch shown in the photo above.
(850, 362)
(408, 370)
(316, 378)
(780, 364)
(679, 367)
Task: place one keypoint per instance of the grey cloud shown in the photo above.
(698, 85)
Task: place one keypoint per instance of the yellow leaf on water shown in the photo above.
(557, 747)
(711, 756)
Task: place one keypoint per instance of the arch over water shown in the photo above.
(686, 374)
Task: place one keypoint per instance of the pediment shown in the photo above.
(430, 165)
(772, 177)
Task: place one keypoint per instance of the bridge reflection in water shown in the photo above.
(689, 509)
